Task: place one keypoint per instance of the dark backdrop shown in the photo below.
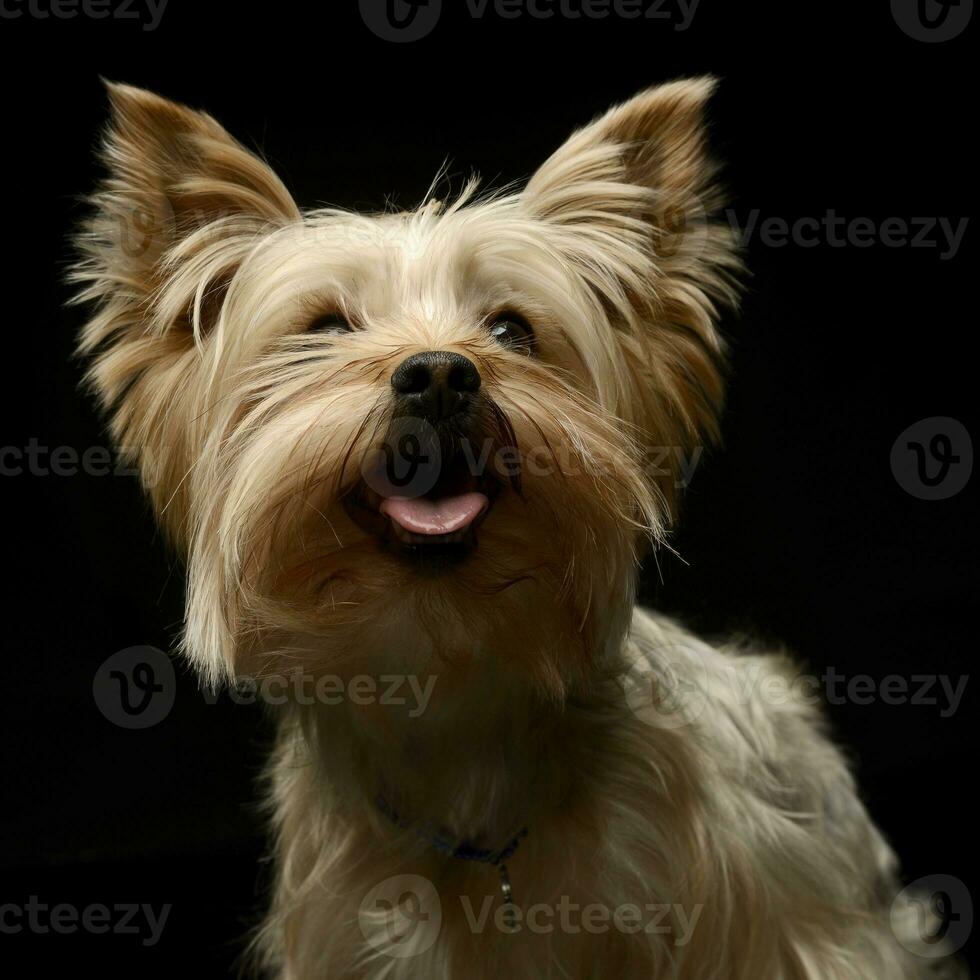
(798, 530)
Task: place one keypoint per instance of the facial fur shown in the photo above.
(428, 444)
(254, 433)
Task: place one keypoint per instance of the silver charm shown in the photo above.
(508, 895)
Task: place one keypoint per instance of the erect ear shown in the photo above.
(629, 200)
(181, 206)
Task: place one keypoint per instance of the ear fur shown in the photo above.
(182, 204)
(629, 199)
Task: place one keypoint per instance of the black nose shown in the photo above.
(436, 383)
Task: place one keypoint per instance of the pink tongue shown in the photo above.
(421, 516)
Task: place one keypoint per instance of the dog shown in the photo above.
(416, 446)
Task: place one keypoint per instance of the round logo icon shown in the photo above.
(401, 917)
(400, 20)
(136, 687)
(680, 229)
(666, 686)
(933, 916)
(148, 230)
(933, 458)
(408, 461)
(932, 20)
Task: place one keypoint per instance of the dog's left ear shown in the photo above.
(629, 202)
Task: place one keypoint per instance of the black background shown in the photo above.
(796, 531)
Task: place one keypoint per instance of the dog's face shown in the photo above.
(404, 435)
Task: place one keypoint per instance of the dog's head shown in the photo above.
(439, 431)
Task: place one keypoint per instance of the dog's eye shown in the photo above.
(512, 330)
(329, 323)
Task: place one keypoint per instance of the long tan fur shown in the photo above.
(740, 825)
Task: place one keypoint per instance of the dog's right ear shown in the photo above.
(181, 206)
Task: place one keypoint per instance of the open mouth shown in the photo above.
(438, 525)
(424, 521)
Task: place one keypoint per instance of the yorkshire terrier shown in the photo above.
(418, 445)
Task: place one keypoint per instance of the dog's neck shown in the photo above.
(485, 755)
